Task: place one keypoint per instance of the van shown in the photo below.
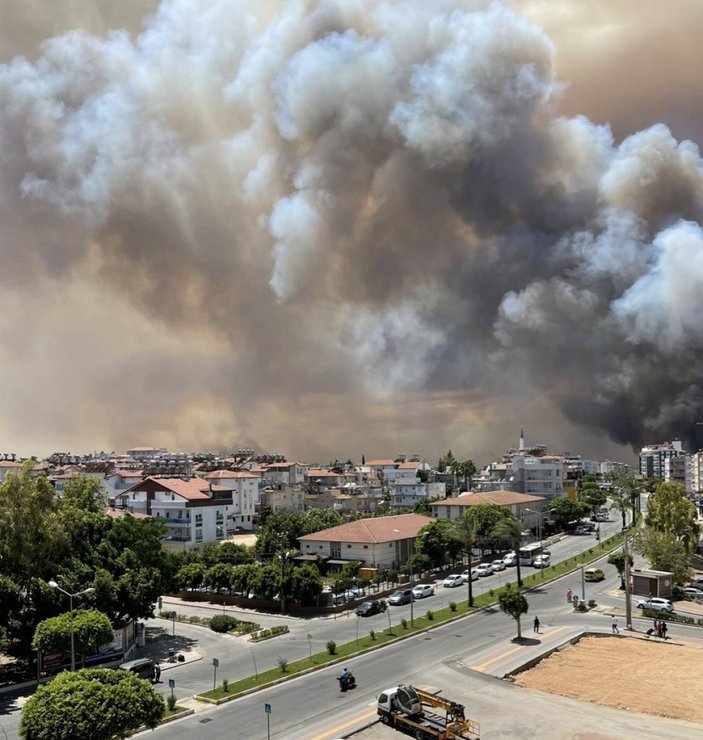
(142, 667)
(593, 574)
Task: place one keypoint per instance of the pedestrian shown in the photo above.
(157, 673)
(664, 629)
(656, 628)
(569, 593)
(537, 624)
(614, 625)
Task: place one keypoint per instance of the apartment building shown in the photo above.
(652, 458)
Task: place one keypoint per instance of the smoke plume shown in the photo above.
(335, 227)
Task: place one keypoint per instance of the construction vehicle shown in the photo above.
(425, 715)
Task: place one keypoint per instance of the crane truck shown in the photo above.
(424, 715)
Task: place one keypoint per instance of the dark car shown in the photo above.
(401, 597)
(368, 608)
(142, 667)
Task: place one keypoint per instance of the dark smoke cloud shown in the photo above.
(333, 228)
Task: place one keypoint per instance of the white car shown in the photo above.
(474, 575)
(693, 593)
(542, 561)
(509, 559)
(498, 565)
(423, 590)
(453, 581)
(656, 602)
(484, 569)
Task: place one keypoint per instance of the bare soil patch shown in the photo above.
(628, 673)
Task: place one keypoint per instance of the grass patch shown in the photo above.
(168, 713)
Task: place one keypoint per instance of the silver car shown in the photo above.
(423, 590)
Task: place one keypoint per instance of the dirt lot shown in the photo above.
(642, 675)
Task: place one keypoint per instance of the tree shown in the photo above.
(219, 577)
(449, 463)
(466, 470)
(191, 575)
(91, 629)
(510, 528)
(664, 552)
(513, 603)
(618, 560)
(670, 511)
(625, 494)
(88, 704)
(306, 585)
(593, 495)
(564, 510)
(464, 531)
(435, 541)
(84, 493)
(487, 517)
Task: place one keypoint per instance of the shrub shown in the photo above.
(223, 623)
(331, 647)
(171, 702)
(372, 635)
(282, 663)
(591, 603)
(404, 623)
(430, 615)
(168, 614)
(225, 685)
(452, 606)
(581, 607)
(491, 592)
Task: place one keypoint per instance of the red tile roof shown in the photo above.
(9, 464)
(502, 498)
(369, 531)
(319, 473)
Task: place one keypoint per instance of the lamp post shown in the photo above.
(53, 584)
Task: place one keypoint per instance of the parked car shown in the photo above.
(593, 574)
(582, 530)
(474, 575)
(368, 608)
(423, 590)
(510, 560)
(694, 594)
(498, 565)
(453, 581)
(656, 602)
(542, 561)
(484, 569)
(142, 667)
(404, 596)
(698, 585)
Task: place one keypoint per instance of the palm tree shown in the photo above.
(466, 470)
(465, 530)
(450, 463)
(510, 528)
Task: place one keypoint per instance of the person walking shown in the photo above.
(569, 594)
(614, 625)
(664, 628)
(157, 673)
(536, 625)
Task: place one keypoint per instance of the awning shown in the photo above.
(311, 558)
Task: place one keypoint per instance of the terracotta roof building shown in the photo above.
(382, 542)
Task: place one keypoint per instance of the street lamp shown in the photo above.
(539, 534)
(284, 555)
(90, 590)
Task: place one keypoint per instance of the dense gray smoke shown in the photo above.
(348, 216)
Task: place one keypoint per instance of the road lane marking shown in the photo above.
(482, 666)
(334, 732)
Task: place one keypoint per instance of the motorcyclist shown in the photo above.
(346, 678)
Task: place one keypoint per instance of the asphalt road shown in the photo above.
(318, 699)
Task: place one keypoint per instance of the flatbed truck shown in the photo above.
(425, 715)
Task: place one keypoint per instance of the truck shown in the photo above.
(425, 715)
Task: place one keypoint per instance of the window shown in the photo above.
(198, 518)
(198, 534)
(180, 513)
(349, 546)
(366, 547)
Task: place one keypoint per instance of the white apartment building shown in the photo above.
(679, 469)
(193, 511)
(531, 510)
(287, 473)
(244, 488)
(653, 458)
(609, 467)
(539, 475)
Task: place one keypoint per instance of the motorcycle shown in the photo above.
(346, 682)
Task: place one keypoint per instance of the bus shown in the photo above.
(528, 553)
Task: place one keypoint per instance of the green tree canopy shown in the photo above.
(593, 496)
(664, 552)
(435, 541)
(91, 629)
(88, 704)
(486, 517)
(564, 510)
(306, 585)
(670, 511)
(513, 603)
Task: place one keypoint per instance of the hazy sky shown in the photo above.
(340, 228)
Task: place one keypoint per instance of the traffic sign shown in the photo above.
(267, 708)
(215, 662)
(172, 683)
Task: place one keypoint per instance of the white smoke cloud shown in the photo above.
(357, 200)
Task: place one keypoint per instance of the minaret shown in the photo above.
(521, 446)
